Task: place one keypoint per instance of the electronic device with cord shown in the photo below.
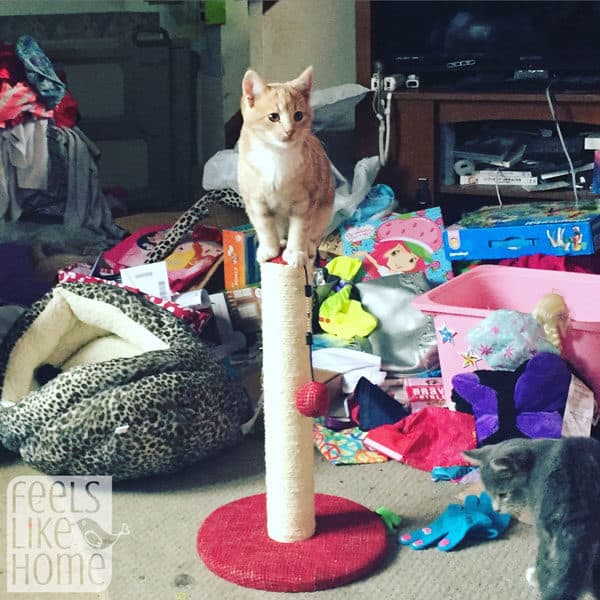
(491, 46)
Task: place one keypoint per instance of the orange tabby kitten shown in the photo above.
(284, 175)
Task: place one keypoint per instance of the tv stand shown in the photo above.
(419, 114)
(417, 117)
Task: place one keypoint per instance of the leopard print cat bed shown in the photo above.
(132, 391)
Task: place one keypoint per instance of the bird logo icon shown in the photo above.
(96, 537)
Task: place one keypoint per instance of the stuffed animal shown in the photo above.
(524, 402)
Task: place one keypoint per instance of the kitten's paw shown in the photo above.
(530, 576)
(294, 258)
(265, 253)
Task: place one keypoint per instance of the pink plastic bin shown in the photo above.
(462, 302)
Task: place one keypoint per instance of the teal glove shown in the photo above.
(500, 521)
(476, 518)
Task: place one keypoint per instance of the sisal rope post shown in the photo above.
(233, 541)
(289, 454)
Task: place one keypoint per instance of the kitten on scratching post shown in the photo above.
(284, 175)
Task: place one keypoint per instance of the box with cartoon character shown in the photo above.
(510, 231)
(400, 243)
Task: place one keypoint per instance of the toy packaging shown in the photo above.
(555, 228)
(400, 243)
(196, 252)
(424, 391)
(240, 267)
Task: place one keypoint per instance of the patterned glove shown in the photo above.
(476, 518)
(500, 521)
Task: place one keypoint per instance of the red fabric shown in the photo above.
(588, 263)
(66, 111)
(11, 68)
(431, 437)
(349, 543)
(18, 101)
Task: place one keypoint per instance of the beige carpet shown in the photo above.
(158, 560)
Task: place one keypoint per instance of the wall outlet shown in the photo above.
(391, 83)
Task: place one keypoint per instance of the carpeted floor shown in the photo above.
(158, 560)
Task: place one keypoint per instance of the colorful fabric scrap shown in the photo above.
(344, 447)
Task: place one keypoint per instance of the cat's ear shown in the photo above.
(303, 83)
(252, 86)
(511, 460)
(476, 456)
(517, 459)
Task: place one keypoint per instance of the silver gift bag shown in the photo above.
(405, 337)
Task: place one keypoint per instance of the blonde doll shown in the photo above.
(553, 314)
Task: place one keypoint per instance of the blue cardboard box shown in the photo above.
(510, 231)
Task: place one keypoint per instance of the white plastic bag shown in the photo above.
(220, 171)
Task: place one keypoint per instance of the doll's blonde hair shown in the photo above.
(552, 312)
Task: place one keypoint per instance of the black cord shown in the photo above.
(308, 294)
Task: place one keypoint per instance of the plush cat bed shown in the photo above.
(97, 380)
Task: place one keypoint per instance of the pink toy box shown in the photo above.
(461, 303)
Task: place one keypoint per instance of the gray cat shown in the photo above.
(559, 482)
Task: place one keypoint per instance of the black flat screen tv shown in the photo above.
(489, 44)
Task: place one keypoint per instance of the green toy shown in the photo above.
(389, 517)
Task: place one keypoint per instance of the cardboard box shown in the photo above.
(333, 380)
(220, 216)
(245, 309)
(555, 228)
(331, 246)
(400, 243)
(240, 266)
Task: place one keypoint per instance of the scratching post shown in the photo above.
(289, 453)
(289, 539)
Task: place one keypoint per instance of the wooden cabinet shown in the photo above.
(419, 115)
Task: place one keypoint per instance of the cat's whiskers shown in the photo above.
(284, 174)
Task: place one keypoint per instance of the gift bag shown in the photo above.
(405, 337)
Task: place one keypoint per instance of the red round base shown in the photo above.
(349, 543)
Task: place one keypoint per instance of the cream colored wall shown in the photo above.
(281, 43)
(235, 52)
(318, 32)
